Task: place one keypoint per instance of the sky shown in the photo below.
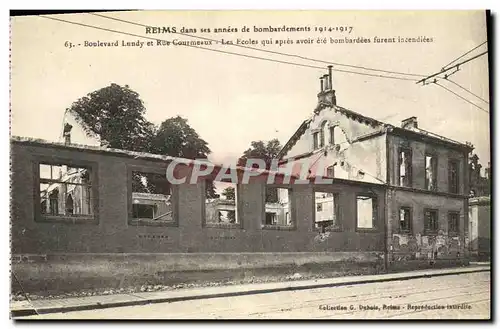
(233, 100)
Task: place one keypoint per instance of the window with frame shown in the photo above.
(326, 216)
(366, 212)
(453, 222)
(405, 217)
(332, 135)
(431, 172)
(277, 207)
(65, 191)
(431, 221)
(330, 171)
(222, 209)
(453, 176)
(151, 198)
(315, 140)
(322, 134)
(404, 166)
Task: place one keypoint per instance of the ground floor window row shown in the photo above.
(67, 191)
(430, 220)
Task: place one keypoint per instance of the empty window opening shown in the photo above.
(405, 219)
(327, 210)
(430, 172)
(453, 176)
(322, 134)
(65, 190)
(222, 208)
(315, 141)
(151, 197)
(330, 171)
(366, 212)
(332, 135)
(271, 218)
(277, 206)
(405, 168)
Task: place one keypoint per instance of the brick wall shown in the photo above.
(112, 233)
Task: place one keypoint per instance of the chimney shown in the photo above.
(325, 79)
(326, 96)
(330, 84)
(409, 123)
(67, 133)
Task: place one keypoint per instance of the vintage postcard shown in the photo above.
(250, 165)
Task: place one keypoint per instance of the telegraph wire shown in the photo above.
(226, 52)
(267, 51)
(463, 98)
(467, 90)
(457, 66)
(453, 61)
(156, 39)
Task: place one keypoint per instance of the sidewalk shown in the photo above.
(25, 308)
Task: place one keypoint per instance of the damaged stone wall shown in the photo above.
(352, 156)
(417, 244)
(111, 233)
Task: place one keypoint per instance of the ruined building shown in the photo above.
(426, 176)
(398, 199)
(479, 185)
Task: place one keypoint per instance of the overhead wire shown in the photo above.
(463, 98)
(456, 59)
(265, 50)
(227, 52)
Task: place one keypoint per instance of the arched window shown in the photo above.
(69, 205)
(54, 202)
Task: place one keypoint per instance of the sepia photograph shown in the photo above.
(250, 165)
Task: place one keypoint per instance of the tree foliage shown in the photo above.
(175, 137)
(229, 193)
(261, 150)
(116, 115)
(266, 151)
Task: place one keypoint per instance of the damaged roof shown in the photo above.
(418, 132)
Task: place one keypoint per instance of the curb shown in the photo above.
(61, 309)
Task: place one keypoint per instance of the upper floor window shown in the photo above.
(332, 135)
(404, 168)
(315, 140)
(431, 172)
(330, 171)
(65, 191)
(322, 134)
(453, 176)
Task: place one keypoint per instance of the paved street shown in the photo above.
(468, 294)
